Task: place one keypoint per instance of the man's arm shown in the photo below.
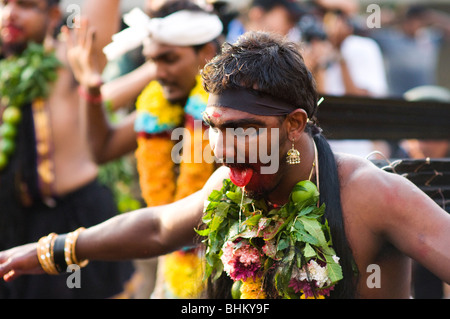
(418, 226)
(125, 89)
(399, 212)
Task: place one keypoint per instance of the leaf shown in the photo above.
(314, 228)
(308, 251)
(253, 221)
(334, 269)
(283, 244)
(203, 232)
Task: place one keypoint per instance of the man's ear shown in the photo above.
(296, 124)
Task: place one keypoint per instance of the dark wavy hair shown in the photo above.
(271, 65)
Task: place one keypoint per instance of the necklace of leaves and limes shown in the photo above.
(23, 79)
(303, 235)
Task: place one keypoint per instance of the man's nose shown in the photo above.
(222, 146)
(161, 71)
(8, 12)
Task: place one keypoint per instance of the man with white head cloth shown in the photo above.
(178, 40)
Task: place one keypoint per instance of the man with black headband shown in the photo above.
(376, 219)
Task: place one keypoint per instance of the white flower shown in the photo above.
(336, 259)
(312, 271)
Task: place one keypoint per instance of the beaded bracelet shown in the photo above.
(55, 252)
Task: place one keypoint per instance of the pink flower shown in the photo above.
(306, 287)
(240, 260)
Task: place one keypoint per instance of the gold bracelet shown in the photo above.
(45, 253)
(70, 254)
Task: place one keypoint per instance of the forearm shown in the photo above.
(94, 121)
(124, 237)
(106, 142)
(124, 90)
(144, 233)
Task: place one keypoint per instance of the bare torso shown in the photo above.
(74, 166)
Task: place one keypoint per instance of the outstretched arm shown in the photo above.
(140, 234)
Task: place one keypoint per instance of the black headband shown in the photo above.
(247, 101)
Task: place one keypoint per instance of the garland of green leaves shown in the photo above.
(247, 241)
(23, 79)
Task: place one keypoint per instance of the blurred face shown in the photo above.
(246, 143)
(278, 20)
(176, 68)
(23, 21)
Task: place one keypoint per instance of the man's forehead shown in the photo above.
(153, 48)
(218, 115)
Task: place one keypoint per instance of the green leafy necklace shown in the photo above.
(248, 240)
(23, 79)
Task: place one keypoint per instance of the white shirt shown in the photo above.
(365, 64)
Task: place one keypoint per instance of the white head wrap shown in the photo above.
(182, 28)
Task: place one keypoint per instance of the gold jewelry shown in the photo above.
(45, 253)
(293, 156)
(69, 249)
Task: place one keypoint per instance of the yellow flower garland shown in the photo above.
(157, 173)
(252, 289)
(184, 271)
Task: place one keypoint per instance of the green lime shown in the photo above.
(236, 290)
(8, 130)
(304, 190)
(3, 161)
(12, 115)
(7, 146)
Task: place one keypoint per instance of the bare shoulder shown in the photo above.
(388, 208)
(368, 188)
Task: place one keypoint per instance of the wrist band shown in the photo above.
(55, 252)
(94, 99)
(58, 254)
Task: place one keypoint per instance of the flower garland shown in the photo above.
(248, 241)
(23, 79)
(184, 270)
(159, 181)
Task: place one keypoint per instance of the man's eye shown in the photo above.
(248, 131)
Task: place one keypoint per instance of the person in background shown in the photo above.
(50, 182)
(184, 37)
(411, 48)
(279, 16)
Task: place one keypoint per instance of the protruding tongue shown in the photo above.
(241, 177)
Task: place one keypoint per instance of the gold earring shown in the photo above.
(293, 156)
